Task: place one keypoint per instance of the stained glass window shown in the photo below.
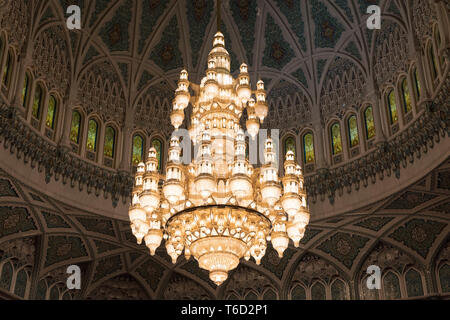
(369, 123)
(406, 97)
(54, 293)
(251, 296)
(393, 116)
(6, 276)
(298, 293)
(391, 286)
(7, 70)
(51, 113)
(308, 148)
(26, 88)
(270, 295)
(444, 277)
(338, 290)
(75, 127)
(289, 145)
(417, 83)
(138, 149)
(37, 103)
(353, 131)
(110, 140)
(158, 146)
(336, 141)
(318, 292)
(414, 283)
(21, 283)
(92, 135)
(432, 61)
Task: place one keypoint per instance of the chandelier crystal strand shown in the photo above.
(219, 208)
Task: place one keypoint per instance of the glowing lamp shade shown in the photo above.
(280, 242)
(291, 203)
(177, 118)
(241, 186)
(211, 87)
(244, 92)
(296, 232)
(173, 191)
(136, 213)
(182, 98)
(205, 185)
(271, 192)
(139, 229)
(252, 127)
(153, 240)
(261, 110)
(149, 200)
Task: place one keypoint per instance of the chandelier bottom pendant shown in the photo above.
(218, 236)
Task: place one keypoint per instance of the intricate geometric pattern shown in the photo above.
(61, 248)
(410, 200)
(15, 220)
(374, 223)
(344, 247)
(418, 234)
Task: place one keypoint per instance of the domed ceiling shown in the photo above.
(132, 52)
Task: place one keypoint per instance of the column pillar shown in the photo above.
(375, 95)
(64, 141)
(125, 162)
(23, 62)
(319, 146)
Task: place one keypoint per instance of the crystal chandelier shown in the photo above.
(219, 208)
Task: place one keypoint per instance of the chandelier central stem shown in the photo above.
(219, 17)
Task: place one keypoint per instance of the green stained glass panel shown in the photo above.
(336, 138)
(417, 83)
(110, 138)
(25, 90)
(406, 96)
(92, 135)
(51, 112)
(289, 145)
(158, 146)
(36, 112)
(138, 149)
(392, 107)
(75, 127)
(353, 131)
(369, 123)
(308, 145)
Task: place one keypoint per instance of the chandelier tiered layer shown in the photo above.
(219, 208)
